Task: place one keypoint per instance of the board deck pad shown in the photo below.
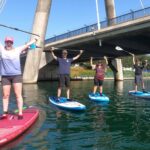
(65, 103)
(11, 127)
(140, 94)
(97, 97)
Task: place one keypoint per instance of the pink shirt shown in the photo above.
(100, 72)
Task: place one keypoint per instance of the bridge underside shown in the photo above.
(133, 36)
(136, 42)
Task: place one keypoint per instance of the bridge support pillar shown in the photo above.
(116, 67)
(117, 63)
(34, 57)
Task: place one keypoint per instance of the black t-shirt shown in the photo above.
(138, 69)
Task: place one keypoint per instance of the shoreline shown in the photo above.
(91, 78)
(107, 78)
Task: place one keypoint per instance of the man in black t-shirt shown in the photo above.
(138, 73)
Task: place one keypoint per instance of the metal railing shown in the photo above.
(133, 15)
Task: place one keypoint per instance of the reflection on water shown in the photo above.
(119, 87)
(121, 124)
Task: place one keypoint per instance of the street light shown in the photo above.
(2, 4)
(97, 13)
(142, 5)
(118, 48)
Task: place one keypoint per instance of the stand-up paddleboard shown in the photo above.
(67, 104)
(140, 94)
(98, 98)
(11, 127)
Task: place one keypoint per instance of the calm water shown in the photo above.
(122, 124)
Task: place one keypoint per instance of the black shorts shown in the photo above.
(138, 79)
(8, 80)
(64, 80)
(98, 82)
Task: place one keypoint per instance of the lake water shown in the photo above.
(122, 124)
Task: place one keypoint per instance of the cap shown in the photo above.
(9, 39)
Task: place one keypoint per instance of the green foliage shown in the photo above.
(127, 61)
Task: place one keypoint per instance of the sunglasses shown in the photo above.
(9, 42)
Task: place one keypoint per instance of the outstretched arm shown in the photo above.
(106, 61)
(76, 57)
(145, 64)
(91, 63)
(53, 55)
(1, 46)
(26, 46)
(133, 59)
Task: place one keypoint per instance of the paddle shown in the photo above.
(19, 30)
(60, 49)
(118, 48)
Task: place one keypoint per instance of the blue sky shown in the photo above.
(65, 15)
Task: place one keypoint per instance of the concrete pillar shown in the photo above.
(31, 69)
(110, 11)
(118, 65)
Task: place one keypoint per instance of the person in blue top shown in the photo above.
(64, 70)
(10, 71)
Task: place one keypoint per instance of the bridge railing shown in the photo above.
(133, 15)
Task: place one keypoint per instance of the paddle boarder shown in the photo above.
(10, 70)
(64, 70)
(100, 69)
(138, 76)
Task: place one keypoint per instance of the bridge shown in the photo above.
(129, 31)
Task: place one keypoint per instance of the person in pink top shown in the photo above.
(100, 69)
(10, 71)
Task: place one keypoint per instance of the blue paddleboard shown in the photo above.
(98, 98)
(67, 104)
(140, 94)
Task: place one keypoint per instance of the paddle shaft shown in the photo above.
(128, 52)
(19, 30)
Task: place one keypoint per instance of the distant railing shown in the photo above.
(133, 15)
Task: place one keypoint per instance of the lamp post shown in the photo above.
(97, 13)
(142, 5)
(118, 48)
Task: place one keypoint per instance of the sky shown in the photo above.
(65, 15)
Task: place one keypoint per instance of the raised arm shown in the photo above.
(53, 55)
(133, 59)
(106, 61)
(91, 63)
(1, 46)
(76, 57)
(26, 46)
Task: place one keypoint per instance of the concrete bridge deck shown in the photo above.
(132, 35)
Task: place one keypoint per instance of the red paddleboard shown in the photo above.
(11, 127)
